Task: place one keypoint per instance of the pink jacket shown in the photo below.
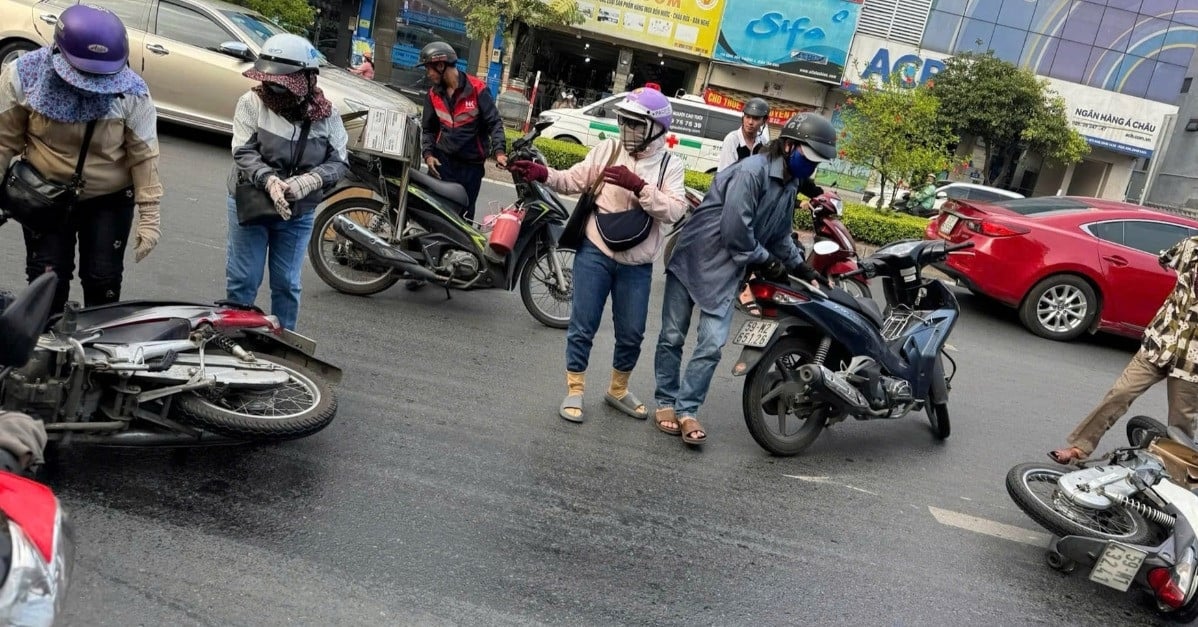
(666, 205)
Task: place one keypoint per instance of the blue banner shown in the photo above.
(451, 24)
(810, 38)
(404, 55)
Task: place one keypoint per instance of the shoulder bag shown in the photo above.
(254, 204)
(626, 229)
(37, 202)
(575, 230)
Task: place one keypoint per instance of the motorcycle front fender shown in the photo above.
(294, 348)
(347, 189)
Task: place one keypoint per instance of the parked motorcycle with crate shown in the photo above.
(388, 220)
(166, 373)
(820, 355)
(1128, 517)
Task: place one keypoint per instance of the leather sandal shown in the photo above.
(666, 414)
(688, 425)
(1067, 455)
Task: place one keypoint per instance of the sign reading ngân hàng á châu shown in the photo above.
(688, 26)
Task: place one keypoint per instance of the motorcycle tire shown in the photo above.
(322, 227)
(1047, 516)
(217, 416)
(1139, 428)
(759, 382)
(526, 280)
(856, 289)
(938, 416)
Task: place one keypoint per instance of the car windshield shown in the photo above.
(258, 29)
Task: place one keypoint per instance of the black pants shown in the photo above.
(101, 225)
(468, 175)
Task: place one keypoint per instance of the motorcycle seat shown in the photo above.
(449, 191)
(864, 306)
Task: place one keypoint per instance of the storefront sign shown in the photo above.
(735, 100)
(1107, 119)
(688, 26)
(804, 38)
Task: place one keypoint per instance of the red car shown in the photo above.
(1070, 265)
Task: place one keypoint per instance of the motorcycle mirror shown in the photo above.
(825, 247)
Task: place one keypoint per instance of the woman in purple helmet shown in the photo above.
(80, 90)
(645, 186)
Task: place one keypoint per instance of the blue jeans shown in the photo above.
(595, 276)
(286, 242)
(687, 395)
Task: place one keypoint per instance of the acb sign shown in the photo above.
(912, 68)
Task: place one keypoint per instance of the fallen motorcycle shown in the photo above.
(1128, 517)
(376, 229)
(153, 373)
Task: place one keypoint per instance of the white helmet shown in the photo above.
(287, 54)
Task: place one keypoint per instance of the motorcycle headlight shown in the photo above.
(34, 589)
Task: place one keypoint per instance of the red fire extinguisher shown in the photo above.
(507, 228)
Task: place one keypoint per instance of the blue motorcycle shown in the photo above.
(819, 355)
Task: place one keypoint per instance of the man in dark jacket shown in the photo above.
(745, 219)
(462, 126)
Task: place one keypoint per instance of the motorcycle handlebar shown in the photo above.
(956, 247)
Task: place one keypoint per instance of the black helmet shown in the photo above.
(437, 51)
(757, 107)
(814, 133)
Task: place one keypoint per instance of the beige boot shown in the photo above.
(571, 407)
(619, 397)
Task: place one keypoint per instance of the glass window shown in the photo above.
(1109, 231)
(1115, 29)
(1017, 13)
(986, 195)
(956, 7)
(1153, 237)
(255, 28)
(1166, 81)
(1067, 63)
(189, 27)
(1134, 74)
(985, 10)
(602, 104)
(131, 12)
(1007, 43)
(719, 125)
(941, 31)
(1082, 24)
(975, 35)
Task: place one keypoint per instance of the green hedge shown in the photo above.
(867, 224)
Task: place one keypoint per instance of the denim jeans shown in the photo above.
(102, 227)
(595, 276)
(687, 395)
(285, 242)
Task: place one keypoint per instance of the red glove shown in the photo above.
(622, 176)
(529, 170)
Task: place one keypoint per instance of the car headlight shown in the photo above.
(548, 117)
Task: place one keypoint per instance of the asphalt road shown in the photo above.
(448, 491)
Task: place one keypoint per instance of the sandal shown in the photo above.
(573, 401)
(1067, 455)
(750, 308)
(688, 425)
(664, 415)
(628, 405)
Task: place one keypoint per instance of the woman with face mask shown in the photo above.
(641, 190)
(75, 107)
(288, 140)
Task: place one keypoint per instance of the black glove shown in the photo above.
(807, 273)
(774, 271)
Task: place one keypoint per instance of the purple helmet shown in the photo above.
(647, 103)
(92, 39)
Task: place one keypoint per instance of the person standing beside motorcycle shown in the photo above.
(52, 100)
(288, 140)
(750, 139)
(1169, 350)
(639, 176)
(745, 219)
(461, 123)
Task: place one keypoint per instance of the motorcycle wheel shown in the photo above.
(329, 251)
(538, 272)
(1062, 517)
(776, 368)
(1141, 428)
(938, 416)
(303, 406)
(855, 289)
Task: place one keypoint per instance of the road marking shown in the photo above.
(827, 480)
(990, 527)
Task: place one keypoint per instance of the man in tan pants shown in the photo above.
(1169, 350)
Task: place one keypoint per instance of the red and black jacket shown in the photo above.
(466, 128)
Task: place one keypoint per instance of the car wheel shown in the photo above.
(10, 52)
(1060, 307)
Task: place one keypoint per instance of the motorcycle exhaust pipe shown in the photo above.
(833, 388)
(379, 248)
(142, 439)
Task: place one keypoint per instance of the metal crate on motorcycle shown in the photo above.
(386, 133)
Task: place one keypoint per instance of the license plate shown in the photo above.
(755, 333)
(1117, 566)
(948, 223)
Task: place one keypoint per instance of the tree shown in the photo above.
(483, 16)
(294, 15)
(1009, 109)
(897, 130)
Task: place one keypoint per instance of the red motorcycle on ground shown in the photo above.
(829, 260)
